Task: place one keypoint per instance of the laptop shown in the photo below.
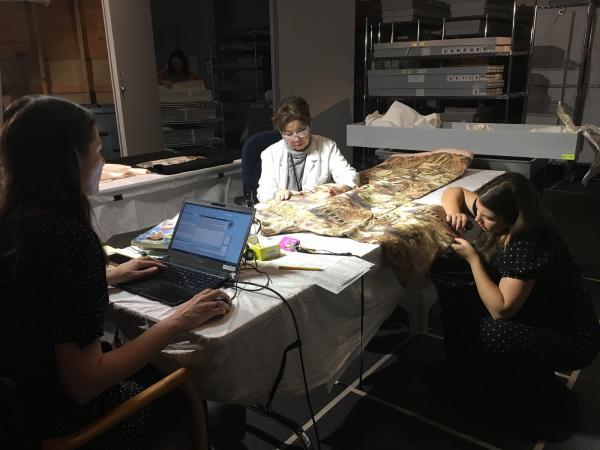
(205, 252)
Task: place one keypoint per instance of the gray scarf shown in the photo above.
(296, 161)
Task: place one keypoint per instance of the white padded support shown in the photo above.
(417, 299)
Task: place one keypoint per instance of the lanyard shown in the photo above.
(298, 183)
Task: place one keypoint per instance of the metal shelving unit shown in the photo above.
(240, 71)
(583, 61)
(511, 96)
(576, 109)
(467, 54)
(193, 124)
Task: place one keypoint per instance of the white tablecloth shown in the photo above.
(142, 201)
(236, 359)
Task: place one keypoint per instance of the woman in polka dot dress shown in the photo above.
(527, 315)
(53, 281)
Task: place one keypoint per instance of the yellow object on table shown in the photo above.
(264, 251)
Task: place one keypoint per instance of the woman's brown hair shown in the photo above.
(39, 167)
(291, 108)
(516, 200)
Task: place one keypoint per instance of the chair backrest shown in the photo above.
(251, 163)
(16, 432)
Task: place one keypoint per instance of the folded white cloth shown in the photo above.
(401, 115)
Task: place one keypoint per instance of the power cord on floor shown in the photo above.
(296, 344)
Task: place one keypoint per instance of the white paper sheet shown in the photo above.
(337, 272)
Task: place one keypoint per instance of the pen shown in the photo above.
(298, 268)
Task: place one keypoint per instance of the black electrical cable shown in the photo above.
(298, 344)
(262, 272)
(235, 288)
(259, 223)
(248, 266)
(312, 251)
(362, 320)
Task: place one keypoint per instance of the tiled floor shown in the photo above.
(405, 402)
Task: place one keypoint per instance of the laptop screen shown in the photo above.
(212, 232)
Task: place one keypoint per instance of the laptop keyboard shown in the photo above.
(190, 279)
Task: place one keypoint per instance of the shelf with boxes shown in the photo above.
(190, 116)
(457, 63)
(550, 60)
(193, 124)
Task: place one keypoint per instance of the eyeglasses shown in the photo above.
(287, 136)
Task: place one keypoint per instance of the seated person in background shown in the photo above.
(178, 69)
(54, 281)
(527, 315)
(301, 160)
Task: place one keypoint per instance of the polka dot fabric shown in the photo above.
(542, 346)
(541, 253)
(54, 291)
(556, 327)
(526, 259)
(544, 257)
(510, 363)
(74, 278)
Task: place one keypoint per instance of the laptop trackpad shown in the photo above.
(163, 291)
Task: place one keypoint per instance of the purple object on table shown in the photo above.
(289, 244)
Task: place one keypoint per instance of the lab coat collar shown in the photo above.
(312, 153)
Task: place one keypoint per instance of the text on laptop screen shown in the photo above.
(212, 233)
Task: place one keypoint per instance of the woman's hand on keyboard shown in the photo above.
(134, 269)
(201, 308)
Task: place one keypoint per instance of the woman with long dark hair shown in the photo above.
(177, 70)
(54, 282)
(529, 315)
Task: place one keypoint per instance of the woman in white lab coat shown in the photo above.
(301, 160)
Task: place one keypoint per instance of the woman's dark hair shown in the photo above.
(39, 167)
(291, 108)
(185, 65)
(516, 200)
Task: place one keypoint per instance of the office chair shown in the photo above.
(251, 163)
(14, 428)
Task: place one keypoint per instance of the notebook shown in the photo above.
(205, 252)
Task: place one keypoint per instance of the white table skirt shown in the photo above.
(236, 359)
(142, 201)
